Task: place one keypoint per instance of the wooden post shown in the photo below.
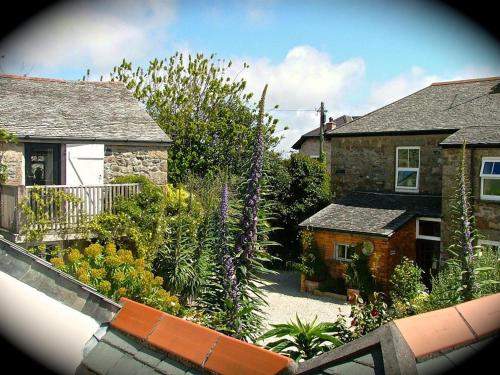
(321, 131)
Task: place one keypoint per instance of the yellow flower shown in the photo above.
(74, 255)
(112, 261)
(104, 286)
(119, 277)
(98, 273)
(58, 263)
(110, 249)
(83, 277)
(122, 292)
(139, 263)
(93, 250)
(126, 256)
(158, 281)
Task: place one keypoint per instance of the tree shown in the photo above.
(207, 112)
(301, 187)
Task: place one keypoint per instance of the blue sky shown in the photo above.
(354, 55)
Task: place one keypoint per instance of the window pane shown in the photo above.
(488, 167)
(407, 179)
(429, 228)
(403, 158)
(496, 168)
(491, 186)
(350, 252)
(413, 158)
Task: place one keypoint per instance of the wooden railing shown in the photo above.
(92, 200)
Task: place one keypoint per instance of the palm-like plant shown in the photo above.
(301, 341)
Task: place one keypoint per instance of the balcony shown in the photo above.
(92, 200)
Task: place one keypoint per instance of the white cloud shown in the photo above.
(95, 33)
(304, 78)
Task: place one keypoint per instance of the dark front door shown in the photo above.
(43, 164)
(428, 259)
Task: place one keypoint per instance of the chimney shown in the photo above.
(330, 125)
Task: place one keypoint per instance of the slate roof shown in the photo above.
(339, 121)
(48, 109)
(374, 213)
(441, 107)
(477, 136)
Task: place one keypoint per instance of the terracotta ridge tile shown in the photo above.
(210, 351)
(136, 319)
(466, 323)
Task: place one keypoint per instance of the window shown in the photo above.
(490, 179)
(429, 228)
(344, 252)
(495, 245)
(407, 168)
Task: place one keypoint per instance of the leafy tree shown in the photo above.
(202, 107)
(302, 341)
(300, 186)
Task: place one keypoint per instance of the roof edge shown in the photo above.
(392, 132)
(53, 80)
(472, 80)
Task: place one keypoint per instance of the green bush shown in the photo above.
(487, 265)
(445, 291)
(311, 263)
(358, 274)
(406, 280)
(117, 274)
(367, 317)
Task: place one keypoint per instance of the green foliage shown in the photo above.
(204, 109)
(487, 271)
(311, 263)
(42, 208)
(300, 186)
(358, 274)
(367, 317)
(117, 274)
(445, 291)
(136, 223)
(302, 341)
(408, 291)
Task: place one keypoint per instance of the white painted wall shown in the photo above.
(84, 164)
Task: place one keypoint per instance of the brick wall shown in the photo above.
(381, 262)
(369, 163)
(136, 160)
(487, 213)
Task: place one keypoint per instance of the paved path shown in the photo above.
(285, 300)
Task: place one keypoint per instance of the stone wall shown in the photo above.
(12, 155)
(311, 147)
(369, 163)
(387, 252)
(487, 213)
(150, 161)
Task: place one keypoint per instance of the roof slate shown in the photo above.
(479, 136)
(78, 110)
(339, 122)
(374, 213)
(444, 106)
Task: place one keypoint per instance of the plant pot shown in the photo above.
(352, 295)
(310, 285)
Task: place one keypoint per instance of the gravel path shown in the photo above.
(285, 300)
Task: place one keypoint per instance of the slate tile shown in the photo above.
(171, 367)
(121, 341)
(435, 366)
(126, 366)
(102, 358)
(149, 356)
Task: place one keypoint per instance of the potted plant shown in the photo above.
(312, 267)
(352, 280)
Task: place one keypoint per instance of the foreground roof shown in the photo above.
(374, 213)
(49, 109)
(477, 136)
(441, 107)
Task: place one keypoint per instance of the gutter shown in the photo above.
(391, 132)
(116, 141)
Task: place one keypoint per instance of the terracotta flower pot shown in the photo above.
(352, 295)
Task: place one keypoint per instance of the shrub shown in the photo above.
(301, 341)
(358, 273)
(117, 274)
(311, 263)
(488, 272)
(366, 317)
(408, 291)
(445, 291)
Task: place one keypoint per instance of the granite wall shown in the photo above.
(12, 155)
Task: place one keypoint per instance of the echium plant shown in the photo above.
(464, 233)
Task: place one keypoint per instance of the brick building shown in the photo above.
(393, 174)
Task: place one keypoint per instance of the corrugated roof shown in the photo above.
(479, 136)
(374, 213)
(445, 106)
(42, 108)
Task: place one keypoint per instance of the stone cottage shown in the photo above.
(393, 173)
(308, 144)
(77, 136)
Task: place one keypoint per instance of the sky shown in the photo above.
(355, 56)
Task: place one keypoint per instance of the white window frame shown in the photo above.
(493, 177)
(398, 169)
(423, 237)
(337, 257)
(490, 243)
